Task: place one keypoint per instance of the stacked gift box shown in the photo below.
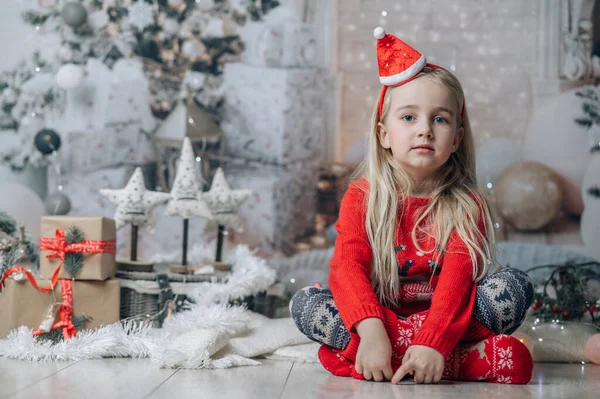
(274, 122)
(75, 288)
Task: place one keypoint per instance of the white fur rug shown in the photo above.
(210, 335)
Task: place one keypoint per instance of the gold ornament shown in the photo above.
(528, 195)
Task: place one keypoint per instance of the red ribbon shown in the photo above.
(60, 247)
(65, 312)
(66, 307)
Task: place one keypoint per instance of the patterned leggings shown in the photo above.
(501, 303)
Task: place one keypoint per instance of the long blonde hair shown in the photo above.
(456, 202)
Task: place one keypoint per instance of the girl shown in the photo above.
(410, 290)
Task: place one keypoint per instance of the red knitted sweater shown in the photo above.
(450, 298)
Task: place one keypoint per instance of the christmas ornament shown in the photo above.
(70, 76)
(225, 202)
(528, 195)
(48, 321)
(74, 14)
(592, 348)
(99, 20)
(134, 206)
(57, 204)
(170, 27)
(23, 205)
(134, 202)
(175, 3)
(186, 195)
(193, 49)
(47, 141)
(141, 15)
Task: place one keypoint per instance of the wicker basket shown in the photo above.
(147, 294)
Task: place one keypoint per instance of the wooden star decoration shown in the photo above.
(187, 200)
(134, 202)
(224, 202)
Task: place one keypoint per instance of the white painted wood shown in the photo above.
(549, 381)
(260, 382)
(131, 378)
(16, 375)
(102, 378)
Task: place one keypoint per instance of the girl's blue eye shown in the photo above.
(439, 119)
(408, 118)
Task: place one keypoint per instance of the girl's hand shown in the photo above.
(424, 363)
(374, 355)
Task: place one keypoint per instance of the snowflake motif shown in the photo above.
(417, 320)
(324, 320)
(504, 379)
(405, 338)
(505, 356)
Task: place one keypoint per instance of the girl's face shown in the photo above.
(421, 128)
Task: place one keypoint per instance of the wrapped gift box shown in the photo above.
(283, 204)
(273, 115)
(98, 232)
(281, 45)
(21, 304)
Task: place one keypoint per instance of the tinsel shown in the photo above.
(210, 319)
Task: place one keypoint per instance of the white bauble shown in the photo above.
(590, 218)
(170, 27)
(70, 76)
(23, 205)
(175, 3)
(193, 49)
(555, 140)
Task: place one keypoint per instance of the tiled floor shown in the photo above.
(135, 378)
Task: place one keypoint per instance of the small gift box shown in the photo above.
(82, 247)
(34, 304)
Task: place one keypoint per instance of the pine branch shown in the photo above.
(55, 336)
(74, 261)
(584, 122)
(7, 223)
(75, 235)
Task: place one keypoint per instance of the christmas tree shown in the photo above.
(174, 39)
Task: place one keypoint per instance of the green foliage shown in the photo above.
(55, 336)
(73, 261)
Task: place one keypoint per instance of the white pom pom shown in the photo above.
(70, 76)
(378, 32)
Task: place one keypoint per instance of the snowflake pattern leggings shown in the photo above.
(501, 303)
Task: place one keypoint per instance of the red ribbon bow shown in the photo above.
(60, 247)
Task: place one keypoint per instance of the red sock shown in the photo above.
(500, 359)
(400, 332)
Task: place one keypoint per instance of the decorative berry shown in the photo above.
(584, 309)
(593, 308)
(556, 309)
(566, 315)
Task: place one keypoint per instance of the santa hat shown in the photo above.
(398, 63)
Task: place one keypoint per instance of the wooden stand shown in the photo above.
(133, 264)
(218, 264)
